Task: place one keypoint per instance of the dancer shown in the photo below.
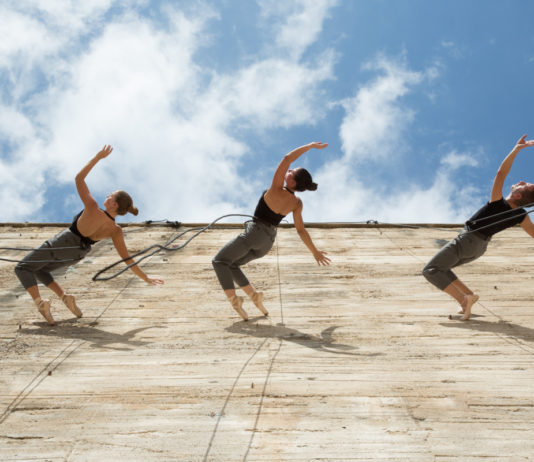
(260, 233)
(71, 245)
(497, 215)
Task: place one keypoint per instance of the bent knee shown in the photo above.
(20, 268)
(216, 263)
(428, 272)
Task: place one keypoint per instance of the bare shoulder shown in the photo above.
(116, 230)
(298, 205)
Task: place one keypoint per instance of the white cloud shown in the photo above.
(374, 119)
(275, 92)
(174, 124)
(179, 128)
(297, 24)
(455, 160)
(452, 49)
(374, 127)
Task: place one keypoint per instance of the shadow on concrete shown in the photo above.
(500, 327)
(97, 338)
(323, 343)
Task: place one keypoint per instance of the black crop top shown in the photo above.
(264, 213)
(74, 228)
(494, 217)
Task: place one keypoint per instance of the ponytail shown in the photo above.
(304, 180)
(125, 203)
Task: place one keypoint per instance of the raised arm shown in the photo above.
(81, 186)
(319, 255)
(506, 165)
(120, 246)
(280, 173)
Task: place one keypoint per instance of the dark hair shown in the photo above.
(527, 196)
(125, 203)
(304, 180)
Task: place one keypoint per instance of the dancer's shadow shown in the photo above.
(323, 343)
(500, 327)
(97, 338)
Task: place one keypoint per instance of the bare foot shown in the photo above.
(70, 303)
(257, 298)
(461, 310)
(237, 303)
(44, 309)
(469, 301)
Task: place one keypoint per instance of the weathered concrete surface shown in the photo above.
(358, 361)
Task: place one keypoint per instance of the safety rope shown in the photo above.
(159, 247)
(199, 230)
(467, 223)
(49, 249)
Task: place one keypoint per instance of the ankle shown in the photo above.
(235, 300)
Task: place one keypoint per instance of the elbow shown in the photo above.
(78, 179)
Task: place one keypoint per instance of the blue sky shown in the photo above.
(419, 101)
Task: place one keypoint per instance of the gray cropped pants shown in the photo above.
(464, 248)
(38, 264)
(253, 243)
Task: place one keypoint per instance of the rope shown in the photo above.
(47, 249)
(159, 247)
(165, 246)
(468, 222)
(37, 249)
(513, 341)
(52, 365)
(262, 398)
(279, 282)
(41, 261)
(226, 401)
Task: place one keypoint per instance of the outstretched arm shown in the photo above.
(506, 165)
(81, 186)
(280, 173)
(120, 246)
(319, 255)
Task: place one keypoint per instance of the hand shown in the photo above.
(155, 281)
(321, 258)
(318, 145)
(522, 143)
(104, 152)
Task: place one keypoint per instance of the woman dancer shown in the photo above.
(260, 233)
(497, 215)
(71, 245)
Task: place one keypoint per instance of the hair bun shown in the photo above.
(312, 187)
(133, 210)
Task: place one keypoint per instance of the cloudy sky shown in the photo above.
(419, 101)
